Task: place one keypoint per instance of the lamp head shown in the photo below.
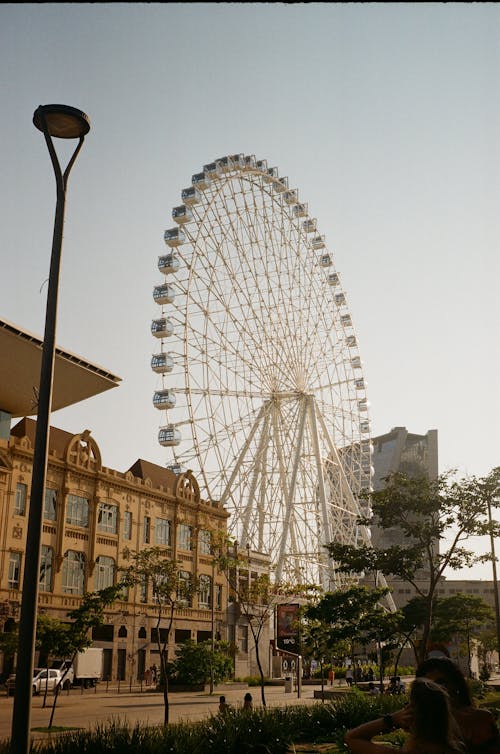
(62, 121)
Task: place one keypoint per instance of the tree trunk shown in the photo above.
(52, 711)
(59, 687)
(261, 673)
(164, 668)
(422, 650)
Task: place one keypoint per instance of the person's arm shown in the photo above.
(359, 739)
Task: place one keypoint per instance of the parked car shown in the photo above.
(41, 681)
(10, 683)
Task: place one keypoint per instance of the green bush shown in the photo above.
(194, 662)
(262, 731)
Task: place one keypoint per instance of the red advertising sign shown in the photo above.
(287, 633)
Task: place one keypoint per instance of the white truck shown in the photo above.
(87, 666)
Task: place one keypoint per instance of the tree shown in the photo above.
(194, 663)
(413, 618)
(51, 641)
(257, 599)
(354, 614)
(428, 512)
(487, 645)
(75, 636)
(462, 616)
(9, 641)
(154, 567)
(316, 643)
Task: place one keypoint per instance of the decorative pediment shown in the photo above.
(187, 487)
(83, 451)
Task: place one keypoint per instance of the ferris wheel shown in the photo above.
(260, 382)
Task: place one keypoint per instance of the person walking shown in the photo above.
(428, 719)
(248, 702)
(349, 677)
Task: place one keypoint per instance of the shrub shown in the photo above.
(194, 662)
(262, 731)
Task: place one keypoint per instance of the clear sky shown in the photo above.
(385, 116)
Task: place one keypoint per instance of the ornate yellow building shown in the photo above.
(93, 518)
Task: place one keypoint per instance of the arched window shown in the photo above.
(204, 591)
(142, 633)
(184, 537)
(122, 632)
(104, 572)
(73, 572)
(205, 542)
(184, 588)
(46, 558)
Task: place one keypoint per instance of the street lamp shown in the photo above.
(62, 122)
(495, 579)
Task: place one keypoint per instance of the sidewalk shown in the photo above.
(86, 710)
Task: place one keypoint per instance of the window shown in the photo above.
(107, 518)
(184, 537)
(147, 530)
(181, 635)
(77, 510)
(204, 591)
(20, 500)
(104, 572)
(243, 632)
(45, 581)
(49, 504)
(143, 589)
(73, 572)
(205, 542)
(14, 570)
(105, 632)
(184, 588)
(121, 664)
(218, 597)
(162, 531)
(127, 525)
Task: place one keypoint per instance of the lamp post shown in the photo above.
(495, 579)
(63, 122)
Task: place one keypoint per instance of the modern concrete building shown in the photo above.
(408, 453)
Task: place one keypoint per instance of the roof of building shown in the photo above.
(58, 438)
(75, 378)
(159, 475)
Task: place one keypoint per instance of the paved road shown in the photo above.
(87, 709)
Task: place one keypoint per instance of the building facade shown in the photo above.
(407, 453)
(93, 519)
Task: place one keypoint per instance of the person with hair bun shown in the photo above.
(477, 726)
(428, 720)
